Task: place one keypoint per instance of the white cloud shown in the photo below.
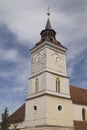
(9, 55)
(19, 89)
(18, 15)
(28, 18)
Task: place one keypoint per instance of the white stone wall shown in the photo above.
(38, 60)
(51, 83)
(60, 64)
(57, 117)
(47, 112)
(36, 117)
(45, 58)
(77, 112)
(47, 81)
(32, 83)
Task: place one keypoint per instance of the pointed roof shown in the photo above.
(49, 34)
(48, 25)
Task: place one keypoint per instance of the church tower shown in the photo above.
(48, 105)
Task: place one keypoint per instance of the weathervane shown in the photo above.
(48, 12)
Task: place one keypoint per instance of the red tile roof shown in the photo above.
(52, 40)
(18, 115)
(78, 95)
(80, 125)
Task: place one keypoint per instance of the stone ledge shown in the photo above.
(49, 128)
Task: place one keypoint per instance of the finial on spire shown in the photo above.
(48, 25)
(48, 13)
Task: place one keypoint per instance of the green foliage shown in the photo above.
(5, 122)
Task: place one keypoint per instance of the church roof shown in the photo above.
(18, 115)
(55, 42)
(78, 95)
(80, 125)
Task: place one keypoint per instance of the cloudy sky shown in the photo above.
(21, 22)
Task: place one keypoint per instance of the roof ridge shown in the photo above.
(78, 87)
(17, 109)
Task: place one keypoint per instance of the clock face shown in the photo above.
(58, 60)
(38, 62)
(55, 57)
(38, 58)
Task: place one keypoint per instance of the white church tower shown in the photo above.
(48, 105)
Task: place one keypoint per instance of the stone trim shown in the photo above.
(47, 94)
(48, 45)
(47, 70)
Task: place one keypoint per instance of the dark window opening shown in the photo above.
(83, 113)
(59, 108)
(37, 85)
(57, 85)
(35, 108)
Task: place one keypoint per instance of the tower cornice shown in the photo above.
(51, 45)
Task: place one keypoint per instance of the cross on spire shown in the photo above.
(48, 24)
(48, 13)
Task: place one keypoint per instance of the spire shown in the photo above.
(48, 25)
(48, 32)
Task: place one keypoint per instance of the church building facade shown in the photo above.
(52, 104)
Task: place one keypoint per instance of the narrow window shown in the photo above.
(57, 85)
(83, 113)
(37, 85)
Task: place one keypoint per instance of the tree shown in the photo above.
(5, 121)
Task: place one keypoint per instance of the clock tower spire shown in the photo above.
(48, 33)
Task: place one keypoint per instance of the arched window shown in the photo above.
(57, 85)
(83, 113)
(37, 85)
